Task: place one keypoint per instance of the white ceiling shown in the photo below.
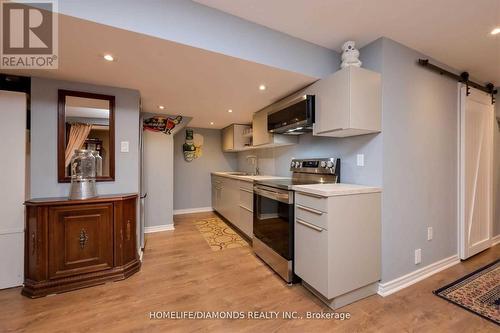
(188, 81)
(454, 32)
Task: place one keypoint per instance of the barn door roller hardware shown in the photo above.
(464, 78)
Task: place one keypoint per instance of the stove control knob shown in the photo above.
(297, 164)
(329, 164)
(322, 164)
(292, 164)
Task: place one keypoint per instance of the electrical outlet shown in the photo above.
(418, 256)
(429, 233)
(360, 160)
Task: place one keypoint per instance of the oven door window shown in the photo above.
(272, 224)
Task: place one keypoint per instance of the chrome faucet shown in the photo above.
(253, 160)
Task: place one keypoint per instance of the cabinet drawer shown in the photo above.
(311, 215)
(312, 201)
(311, 255)
(246, 221)
(80, 239)
(246, 185)
(246, 198)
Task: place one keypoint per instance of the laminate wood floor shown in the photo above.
(181, 273)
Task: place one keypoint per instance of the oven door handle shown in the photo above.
(282, 197)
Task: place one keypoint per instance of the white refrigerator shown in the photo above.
(13, 175)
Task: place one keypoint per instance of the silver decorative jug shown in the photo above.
(83, 173)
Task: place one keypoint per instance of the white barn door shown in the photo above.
(477, 118)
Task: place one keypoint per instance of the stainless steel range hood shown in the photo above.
(294, 118)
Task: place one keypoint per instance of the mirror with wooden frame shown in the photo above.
(86, 121)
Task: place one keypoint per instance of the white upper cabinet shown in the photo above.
(233, 138)
(347, 103)
(261, 137)
(259, 124)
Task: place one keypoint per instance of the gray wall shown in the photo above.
(192, 184)
(44, 138)
(276, 161)
(158, 178)
(420, 162)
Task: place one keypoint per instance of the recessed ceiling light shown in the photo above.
(230, 110)
(108, 57)
(161, 107)
(211, 123)
(262, 87)
(495, 31)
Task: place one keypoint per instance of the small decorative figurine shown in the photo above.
(350, 55)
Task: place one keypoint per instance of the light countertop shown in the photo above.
(228, 174)
(330, 190)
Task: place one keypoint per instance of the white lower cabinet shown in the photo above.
(311, 261)
(337, 245)
(216, 193)
(233, 199)
(246, 208)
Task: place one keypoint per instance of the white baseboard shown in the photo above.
(387, 288)
(495, 240)
(193, 210)
(158, 228)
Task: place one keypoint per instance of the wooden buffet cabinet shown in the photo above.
(72, 244)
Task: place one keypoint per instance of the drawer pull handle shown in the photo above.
(251, 211)
(310, 210)
(309, 225)
(246, 190)
(83, 238)
(312, 195)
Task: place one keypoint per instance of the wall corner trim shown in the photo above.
(390, 287)
(158, 228)
(495, 240)
(193, 210)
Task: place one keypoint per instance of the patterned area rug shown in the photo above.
(218, 234)
(478, 292)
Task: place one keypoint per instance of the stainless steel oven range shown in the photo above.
(273, 217)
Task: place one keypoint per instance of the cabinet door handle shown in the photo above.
(246, 190)
(83, 239)
(310, 210)
(128, 230)
(33, 243)
(309, 225)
